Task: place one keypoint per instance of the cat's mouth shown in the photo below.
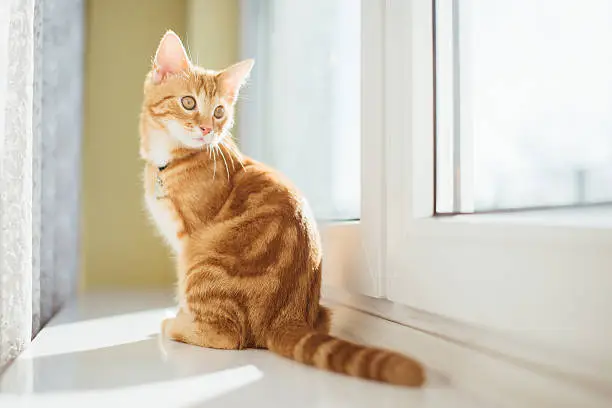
(208, 138)
(191, 137)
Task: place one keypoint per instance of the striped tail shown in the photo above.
(308, 346)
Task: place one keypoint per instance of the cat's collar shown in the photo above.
(159, 190)
(176, 159)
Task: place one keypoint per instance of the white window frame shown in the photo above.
(354, 251)
(543, 276)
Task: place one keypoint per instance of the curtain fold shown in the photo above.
(16, 181)
(41, 75)
(62, 118)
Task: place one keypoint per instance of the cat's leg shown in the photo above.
(216, 332)
(323, 322)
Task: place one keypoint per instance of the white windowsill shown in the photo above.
(103, 350)
(599, 217)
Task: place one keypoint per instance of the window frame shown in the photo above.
(532, 274)
(354, 256)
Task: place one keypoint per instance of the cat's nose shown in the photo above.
(205, 130)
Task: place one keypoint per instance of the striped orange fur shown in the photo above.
(248, 250)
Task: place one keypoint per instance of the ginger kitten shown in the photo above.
(248, 250)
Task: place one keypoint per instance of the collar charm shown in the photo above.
(159, 185)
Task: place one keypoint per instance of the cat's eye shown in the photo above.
(188, 102)
(219, 112)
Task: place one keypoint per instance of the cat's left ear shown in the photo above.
(170, 58)
(232, 78)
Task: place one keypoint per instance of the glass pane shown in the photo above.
(302, 108)
(524, 99)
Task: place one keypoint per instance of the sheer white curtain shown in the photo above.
(16, 164)
(40, 97)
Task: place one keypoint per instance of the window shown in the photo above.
(524, 95)
(435, 115)
(541, 277)
(307, 94)
(314, 110)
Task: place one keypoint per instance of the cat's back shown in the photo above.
(265, 232)
(259, 189)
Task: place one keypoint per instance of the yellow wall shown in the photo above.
(212, 32)
(212, 35)
(120, 247)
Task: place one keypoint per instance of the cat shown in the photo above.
(247, 247)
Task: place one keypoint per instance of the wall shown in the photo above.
(212, 35)
(120, 246)
(212, 32)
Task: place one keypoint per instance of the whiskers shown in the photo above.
(233, 149)
(224, 161)
(212, 153)
(215, 148)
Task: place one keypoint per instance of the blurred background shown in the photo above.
(304, 87)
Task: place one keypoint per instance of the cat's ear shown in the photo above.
(170, 57)
(233, 77)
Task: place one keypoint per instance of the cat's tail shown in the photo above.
(309, 346)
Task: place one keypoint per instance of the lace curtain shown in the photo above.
(41, 71)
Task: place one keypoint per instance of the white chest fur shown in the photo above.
(160, 146)
(166, 219)
(169, 224)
